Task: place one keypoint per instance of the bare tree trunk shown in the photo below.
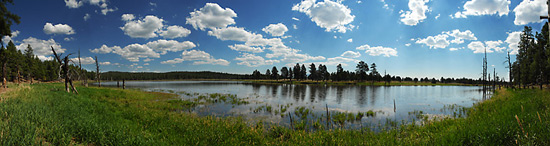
(97, 72)
(4, 75)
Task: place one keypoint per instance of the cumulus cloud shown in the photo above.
(58, 29)
(145, 28)
(198, 57)
(128, 17)
(484, 7)
(351, 54)
(175, 32)
(416, 14)
(252, 60)
(333, 16)
(211, 16)
(489, 46)
(102, 4)
(232, 33)
(152, 49)
(378, 50)
(440, 40)
(513, 40)
(529, 11)
(278, 29)
(84, 60)
(350, 40)
(434, 42)
(7, 39)
(105, 63)
(42, 48)
(245, 48)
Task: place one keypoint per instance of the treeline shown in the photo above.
(532, 65)
(17, 66)
(113, 75)
(363, 72)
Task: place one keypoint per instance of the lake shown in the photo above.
(401, 104)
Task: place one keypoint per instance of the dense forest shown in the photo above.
(532, 65)
(363, 72)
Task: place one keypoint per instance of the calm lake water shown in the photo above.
(433, 101)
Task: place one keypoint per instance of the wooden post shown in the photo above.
(118, 84)
(123, 84)
(394, 108)
(328, 117)
(291, 126)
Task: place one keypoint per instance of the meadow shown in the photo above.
(44, 114)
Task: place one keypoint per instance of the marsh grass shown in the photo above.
(44, 114)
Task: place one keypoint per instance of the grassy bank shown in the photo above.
(368, 83)
(44, 114)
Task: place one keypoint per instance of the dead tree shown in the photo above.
(4, 75)
(85, 83)
(97, 72)
(64, 65)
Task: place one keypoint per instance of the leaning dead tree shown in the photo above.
(97, 72)
(64, 65)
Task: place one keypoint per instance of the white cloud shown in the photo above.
(294, 26)
(513, 41)
(152, 49)
(105, 63)
(68, 39)
(84, 60)
(434, 42)
(333, 16)
(252, 60)
(128, 17)
(378, 50)
(300, 58)
(199, 57)
(7, 39)
(350, 40)
(417, 13)
(163, 46)
(42, 48)
(294, 18)
(245, 48)
(175, 32)
(211, 16)
(484, 7)
(145, 28)
(437, 17)
(529, 11)
(58, 29)
(455, 49)
(491, 46)
(104, 49)
(232, 33)
(461, 36)
(440, 41)
(408, 44)
(73, 3)
(351, 54)
(86, 17)
(278, 29)
(102, 4)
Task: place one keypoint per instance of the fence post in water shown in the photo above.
(123, 84)
(118, 84)
(394, 106)
(328, 116)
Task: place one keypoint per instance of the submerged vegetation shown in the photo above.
(44, 114)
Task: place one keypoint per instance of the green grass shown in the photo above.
(43, 114)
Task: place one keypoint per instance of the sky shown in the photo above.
(414, 38)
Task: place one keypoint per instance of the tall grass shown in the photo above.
(44, 114)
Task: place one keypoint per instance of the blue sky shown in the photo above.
(416, 38)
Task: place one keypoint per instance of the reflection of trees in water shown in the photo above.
(274, 90)
(361, 95)
(323, 93)
(339, 90)
(299, 92)
(256, 88)
(312, 92)
(284, 90)
(374, 92)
